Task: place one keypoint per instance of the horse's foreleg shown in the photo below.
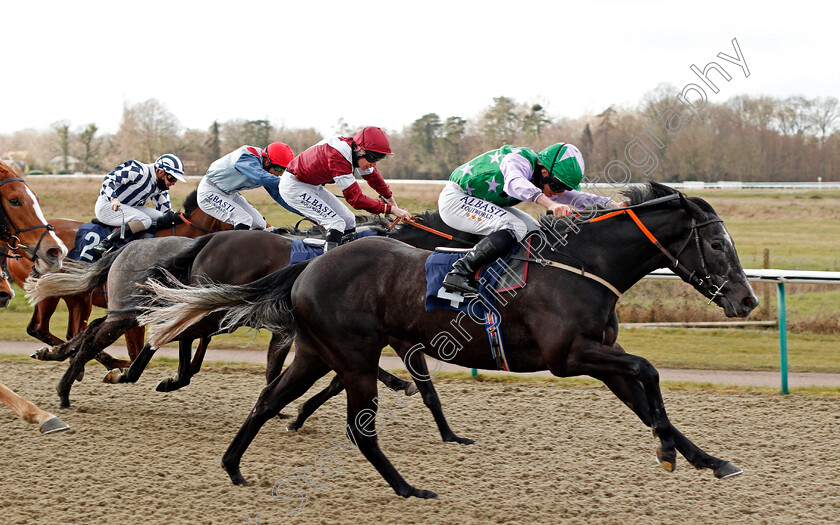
(293, 383)
(631, 393)
(416, 363)
(395, 383)
(30, 413)
(39, 324)
(589, 357)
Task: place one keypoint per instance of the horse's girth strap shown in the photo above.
(583, 273)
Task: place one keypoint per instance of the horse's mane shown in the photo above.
(191, 202)
(639, 194)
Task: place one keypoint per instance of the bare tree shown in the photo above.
(62, 130)
(147, 130)
(824, 114)
(90, 145)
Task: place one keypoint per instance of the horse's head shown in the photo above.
(704, 250)
(22, 224)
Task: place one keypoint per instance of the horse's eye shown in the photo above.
(716, 245)
(14, 201)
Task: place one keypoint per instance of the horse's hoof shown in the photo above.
(53, 424)
(728, 470)
(40, 353)
(423, 494)
(113, 376)
(411, 389)
(292, 427)
(164, 385)
(667, 461)
(235, 476)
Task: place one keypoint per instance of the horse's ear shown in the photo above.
(692, 209)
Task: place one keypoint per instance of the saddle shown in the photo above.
(502, 276)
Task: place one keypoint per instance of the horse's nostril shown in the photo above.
(53, 252)
(750, 302)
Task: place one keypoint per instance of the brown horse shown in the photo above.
(21, 219)
(192, 223)
(23, 227)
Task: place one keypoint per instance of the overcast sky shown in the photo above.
(386, 63)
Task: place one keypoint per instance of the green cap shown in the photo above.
(565, 162)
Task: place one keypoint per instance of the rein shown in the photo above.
(11, 237)
(692, 276)
(706, 285)
(416, 223)
(197, 227)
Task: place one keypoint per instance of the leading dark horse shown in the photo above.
(347, 305)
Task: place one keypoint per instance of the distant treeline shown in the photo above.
(742, 139)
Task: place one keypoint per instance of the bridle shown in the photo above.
(704, 283)
(9, 232)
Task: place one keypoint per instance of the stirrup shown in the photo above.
(464, 287)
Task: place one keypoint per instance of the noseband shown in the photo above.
(9, 232)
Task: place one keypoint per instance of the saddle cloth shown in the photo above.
(302, 251)
(87, 236)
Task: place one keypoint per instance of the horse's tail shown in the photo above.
(172, 306)
(74, 278)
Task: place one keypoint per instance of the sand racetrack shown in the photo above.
(546, 453)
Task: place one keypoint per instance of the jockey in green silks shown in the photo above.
(481, 194)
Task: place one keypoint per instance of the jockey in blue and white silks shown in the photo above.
(245, 168)
(127, 188)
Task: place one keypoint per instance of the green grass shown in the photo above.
(732, 349)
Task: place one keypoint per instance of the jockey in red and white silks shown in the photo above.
(336, 160)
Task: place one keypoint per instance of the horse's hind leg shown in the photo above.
(361, 428)
(66, 349)
(278, 349)
(182, 376)
(290, 385)
(631, 393)
(416, 364)
(336, 387)
(94, 338)
(198, 358)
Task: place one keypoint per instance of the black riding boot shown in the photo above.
(349, 235)
(333, 239)
(106, 244)
(241, 226)
(462, 277)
